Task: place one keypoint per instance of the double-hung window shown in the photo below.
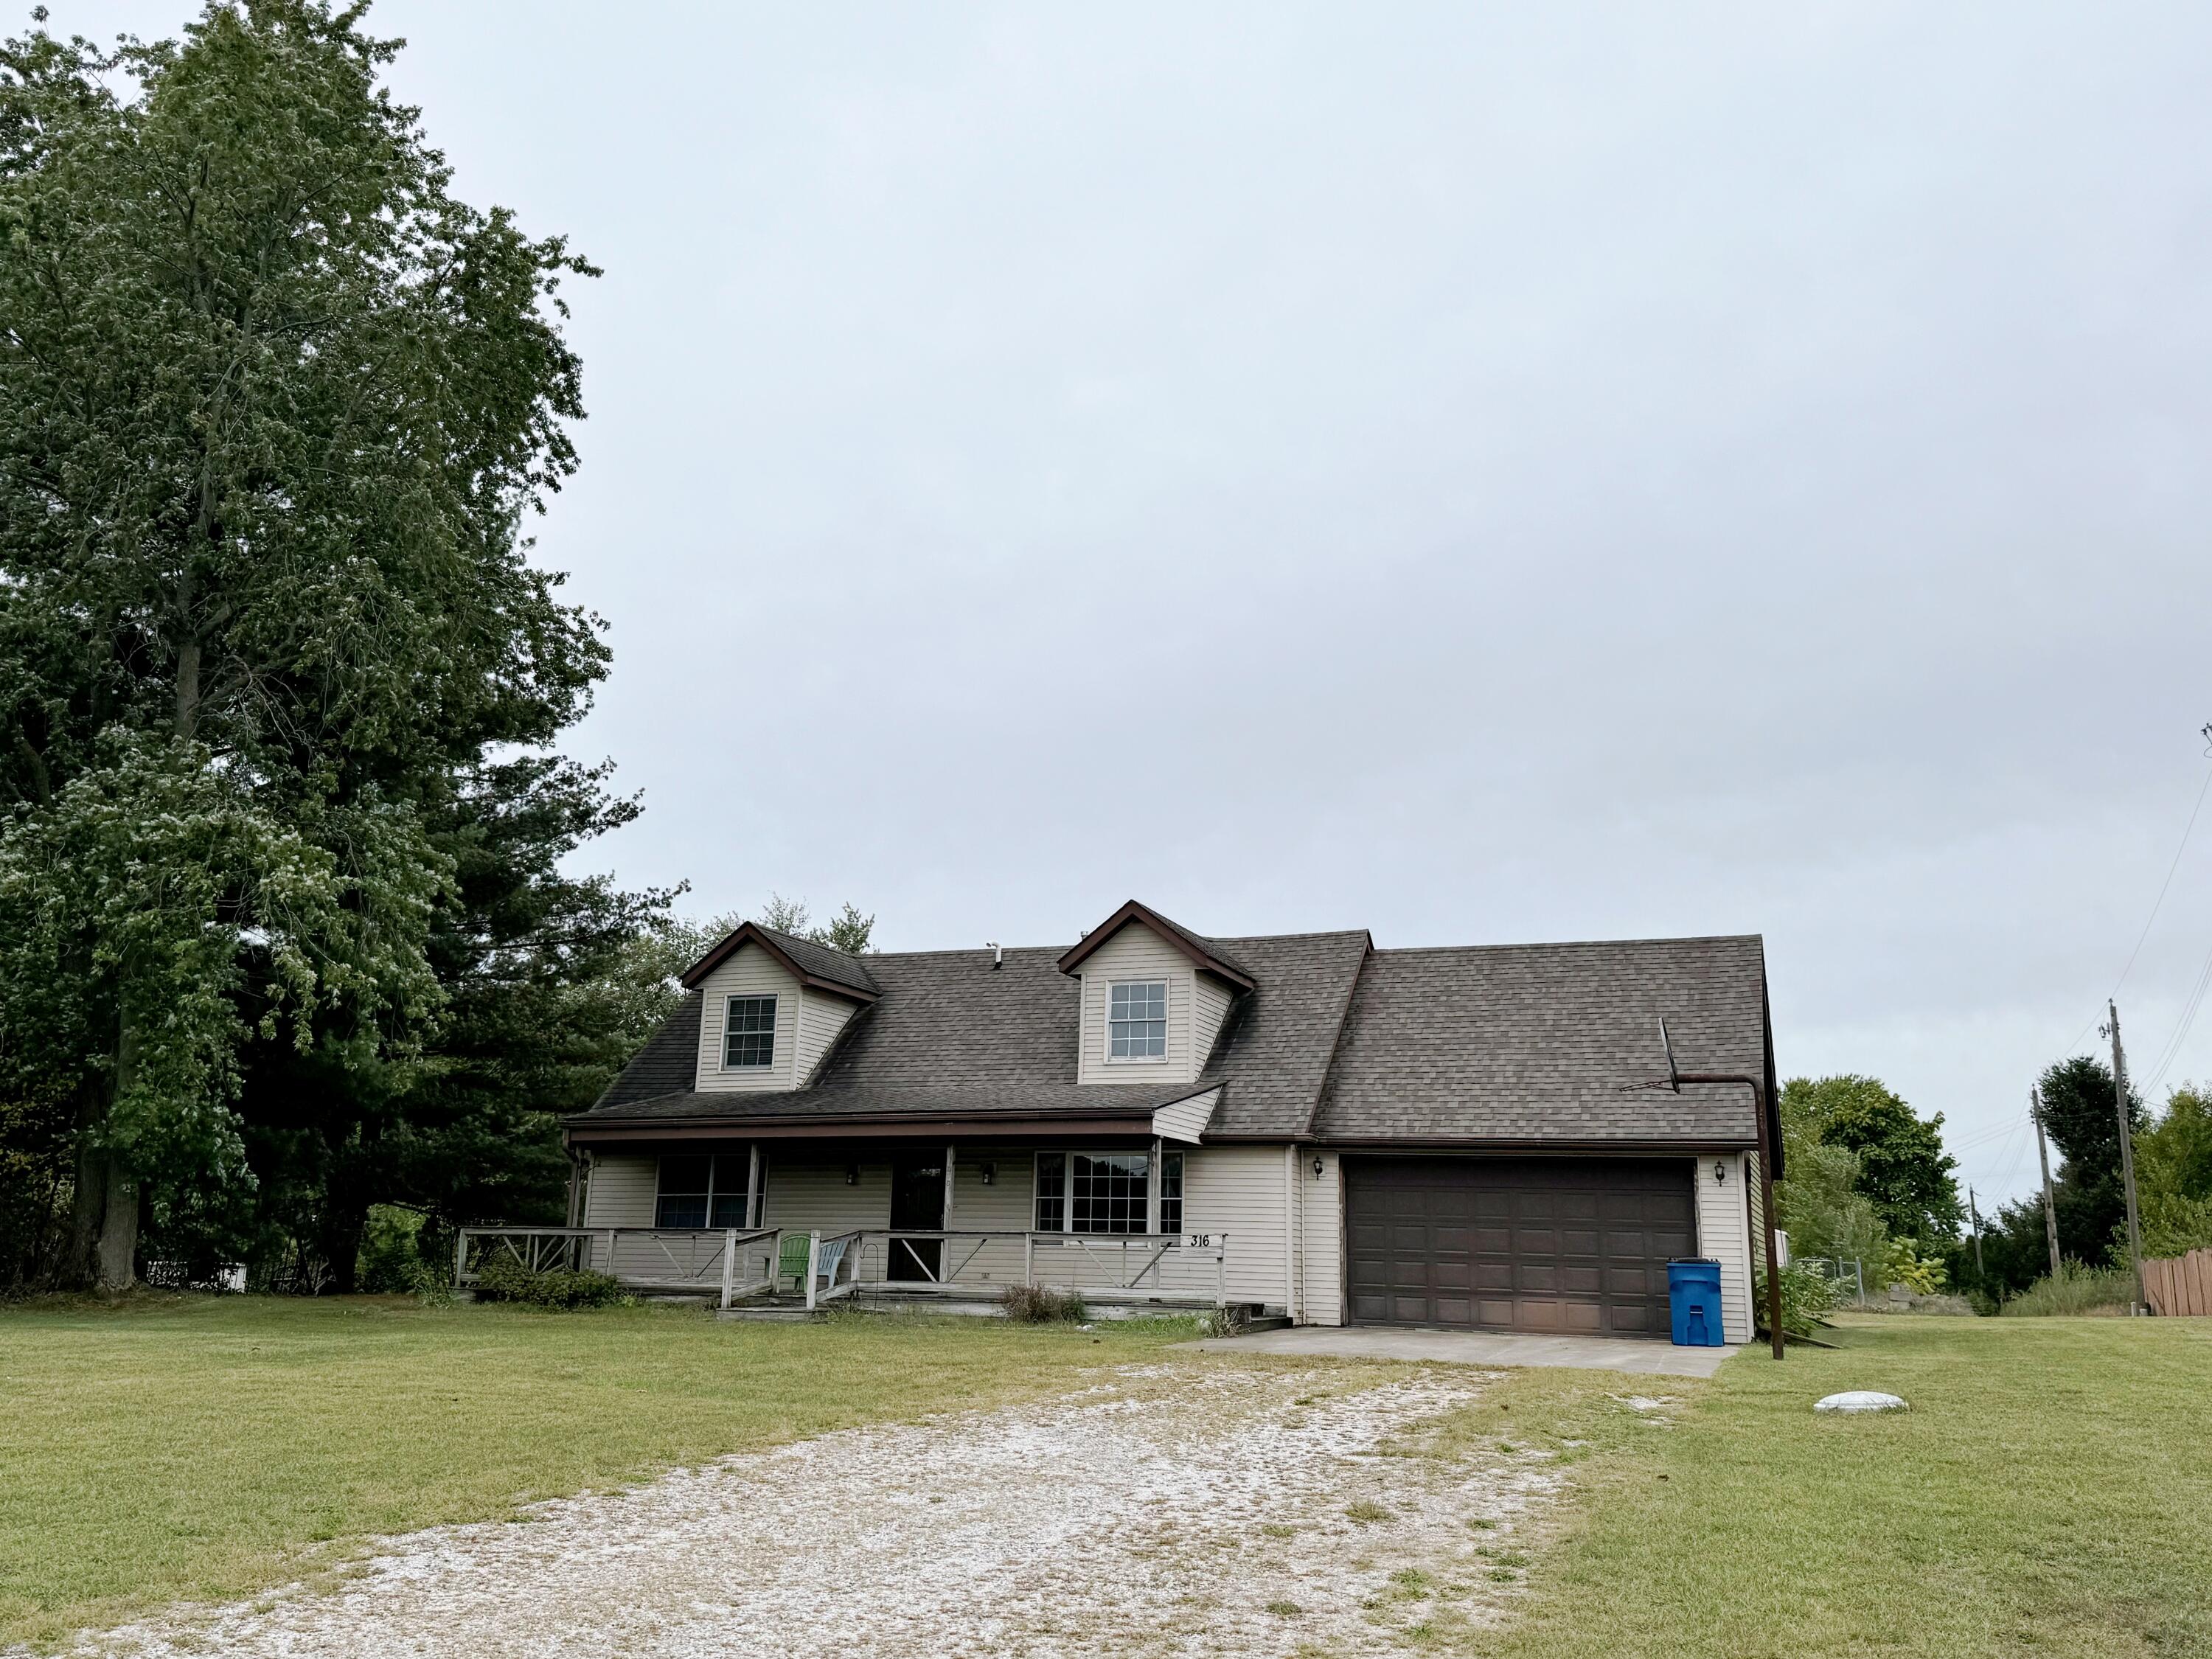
(1093, 1192)
(749, 1033)
(702, 1191)
(1137, 1020)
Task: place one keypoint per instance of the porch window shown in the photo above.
(1170, 1192)
(1094, 1192)
(702, 1191)
(1137, 1021)
(749, 1033)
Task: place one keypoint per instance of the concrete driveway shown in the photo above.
(1592, 1353)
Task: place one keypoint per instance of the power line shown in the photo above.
(2158, 903)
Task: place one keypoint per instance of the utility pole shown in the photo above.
(2127, 1154)
(2043, 1157)
(1977, 1215)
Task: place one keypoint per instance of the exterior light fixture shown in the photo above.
(990, 1173)
(1720, 1172)
(1318, 1167)
(852, 1175)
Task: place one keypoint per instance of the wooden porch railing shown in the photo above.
(1182, 1269)
(1176, 1269)
(732, 1262)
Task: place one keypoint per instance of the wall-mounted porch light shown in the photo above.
(1318, 1167)
(852, 1175)
(990, 1173)
(1720, 1172)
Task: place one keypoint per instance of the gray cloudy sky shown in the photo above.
(1481, 474)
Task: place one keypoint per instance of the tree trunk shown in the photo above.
(119, 1231)
(115, 1261)
(80, 1267)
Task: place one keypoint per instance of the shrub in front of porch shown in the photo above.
(504, 1279)
(1038, 1305)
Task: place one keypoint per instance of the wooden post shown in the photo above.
(813, 1255)
(2043, 1157)
(1153, 1190)
(1767, 1219)
(2127, 1154)
(753, 1205)
(729, 1264)
(1028, 1260)
(945, 1224)
(608, 1267)
(460, 1257)
(1221, 1272)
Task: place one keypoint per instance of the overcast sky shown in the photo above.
(1582, 472)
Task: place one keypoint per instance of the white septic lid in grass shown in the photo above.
(1860, 1399)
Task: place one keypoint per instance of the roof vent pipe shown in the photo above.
(998, 956)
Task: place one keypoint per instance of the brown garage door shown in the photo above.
(1517, 1244)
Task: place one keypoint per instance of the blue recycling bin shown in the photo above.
(1693, 1293)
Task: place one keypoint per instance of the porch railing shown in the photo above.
(730, 1261)
(1173, 1269)
(1181, 1269)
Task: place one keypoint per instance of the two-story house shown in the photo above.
(1302, 1124)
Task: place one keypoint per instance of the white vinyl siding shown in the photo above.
(821, 1017)
(1210, 1006)
(1724, 1234)
(1239, 1191)
(750, 973)
(621, 1191)
(1137, 953)
(1321, 1231)
(806, 1195)
(1186, 1120)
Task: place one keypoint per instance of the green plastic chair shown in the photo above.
(791, 1263)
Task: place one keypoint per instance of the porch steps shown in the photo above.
(1265, 1322)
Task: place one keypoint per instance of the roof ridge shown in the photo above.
(1571, 944)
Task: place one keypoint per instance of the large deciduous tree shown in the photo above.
(273, 404)
(1902, 1171)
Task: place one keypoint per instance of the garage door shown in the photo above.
(1578, 1245)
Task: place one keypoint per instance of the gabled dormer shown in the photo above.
(1153, 998)
(772, 1007)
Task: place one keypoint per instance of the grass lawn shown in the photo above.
(2049, 1493)
(201, 1447)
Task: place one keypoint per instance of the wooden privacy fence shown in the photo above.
(2179, 1284)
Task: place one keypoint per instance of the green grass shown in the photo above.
(2049, 1493)
(202, 1448)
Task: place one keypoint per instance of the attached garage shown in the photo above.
(1540, 1245)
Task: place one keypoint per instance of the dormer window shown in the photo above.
(749, 1034)
(1137, 1021)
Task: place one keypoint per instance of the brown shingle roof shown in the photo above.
(1524, 1044)
(1532, 1043)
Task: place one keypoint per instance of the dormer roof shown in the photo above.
(1203, 952)
(817, 967)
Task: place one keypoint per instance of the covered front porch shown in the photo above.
(796, 1222)
(783, 1269)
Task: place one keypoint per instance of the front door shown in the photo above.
(917, 1202)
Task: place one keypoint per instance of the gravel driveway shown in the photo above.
(1180, 1509)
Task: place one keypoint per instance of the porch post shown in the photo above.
(1153, 1190)
(460, 1256)
(950, 1153)
(1290, 1232)
(729, 1264)
(1028, 1259)
(813, 1255)
(753, 1205)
